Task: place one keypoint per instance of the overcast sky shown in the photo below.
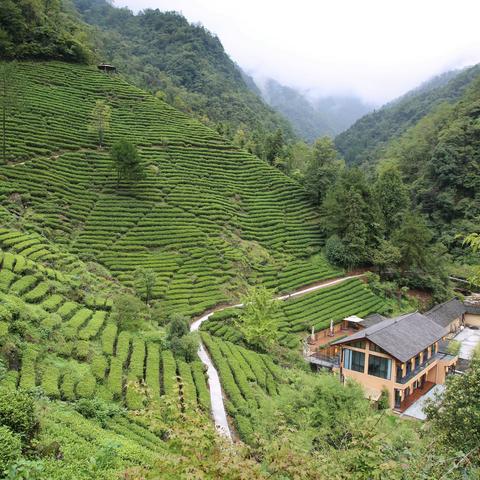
(377, 49)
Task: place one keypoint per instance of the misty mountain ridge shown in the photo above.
(313, 116)
(365, 141)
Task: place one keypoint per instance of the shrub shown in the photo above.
(98, 409)
(17, 411)
(68, 386)
(185, 347)
(108, 338)
(86, 386)
(336, 252)
(99, 366)
(178, 327)
(129, 312)
(454, 347)
(383, 401)
(10, 447)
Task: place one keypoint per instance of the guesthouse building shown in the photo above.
(401, 356)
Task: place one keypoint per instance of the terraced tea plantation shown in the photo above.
(249, 380)
(297, 315)
(76, 351)
(207, 218)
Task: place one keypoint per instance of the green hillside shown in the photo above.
(366, 139)
(439, 159)
(103, 398)
(185, 63)
(299, 315)
(207, 218)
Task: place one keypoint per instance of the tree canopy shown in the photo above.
(42, 29)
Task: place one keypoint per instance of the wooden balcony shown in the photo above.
(413, 397)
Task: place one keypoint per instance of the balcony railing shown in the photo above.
(325, 360)
(417, 370)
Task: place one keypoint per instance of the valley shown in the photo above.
(200, 283)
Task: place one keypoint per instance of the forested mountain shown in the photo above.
(183, 63)
(365, 141)
(313, 118)
(33, 29)
(439, 159)
(122, 217)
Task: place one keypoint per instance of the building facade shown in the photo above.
(401, 356)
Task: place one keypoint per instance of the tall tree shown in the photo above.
(322, 170)
(126, 161)
(274, 146)
(100, 120)
(146, 279)
(351, 214)
(392, 197)
(257, 321)
(413, 239)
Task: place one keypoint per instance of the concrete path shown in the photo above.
(216, 395)
(469, 338)
(416, 409)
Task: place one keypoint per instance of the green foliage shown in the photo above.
(366, 139)
(351, 213)
(178, 327)
(205, 244)
(86, 386)
(455, 415)
(97, 409)
(10, 448)
(392, 197)
(108, 338)
(128, 312)
(454, 347)
(17, 412)
(146, 280)
(100, 124)
(41, 29)
(322, 170)
(185, 65)
(257, 320)
(185, 347)
(126, 161)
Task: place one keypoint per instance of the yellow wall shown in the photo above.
(472, 320)
(436, 373)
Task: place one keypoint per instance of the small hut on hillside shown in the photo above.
(107, 68)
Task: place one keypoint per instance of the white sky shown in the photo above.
(377, 49)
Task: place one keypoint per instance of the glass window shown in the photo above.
(425, 354)
(409, 367)
(434, 349)
(358, 361)
(399, 373)
(417, 361)
(358, 344)
(376, 348)
(353, 360)
(379, 366)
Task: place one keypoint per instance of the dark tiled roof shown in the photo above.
(473, 309)
(372, 319)
(402, 337)
(472, 304)
(447, 312)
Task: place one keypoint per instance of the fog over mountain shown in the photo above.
(374, 50)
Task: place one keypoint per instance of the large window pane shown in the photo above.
(358, 361)
(379, 366)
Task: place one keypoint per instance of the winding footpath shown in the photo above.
(216, 394)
